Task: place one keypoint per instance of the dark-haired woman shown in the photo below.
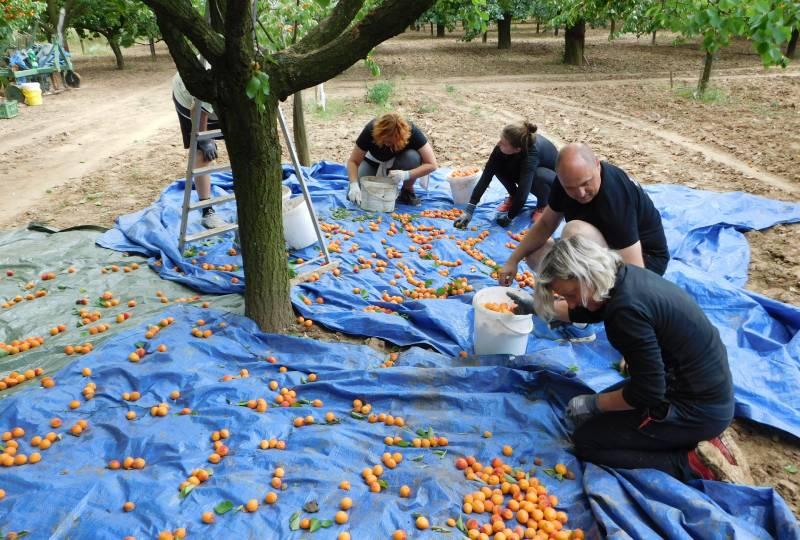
(524, 162)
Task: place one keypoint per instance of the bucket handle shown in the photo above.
(514, 330)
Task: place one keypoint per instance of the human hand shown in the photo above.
(582, 408)
(506, 274)
(399, 176)
(466, 217)
(208, 148)
(524, 303)
(354, 193)
(502, 219)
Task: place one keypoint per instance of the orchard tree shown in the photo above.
(18, 16)
(245, 83)
(119, 21)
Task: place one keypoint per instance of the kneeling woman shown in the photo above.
(524, 162)
(679, 392)
(390, 146)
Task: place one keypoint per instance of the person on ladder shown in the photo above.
(391, 146)
(206, 149)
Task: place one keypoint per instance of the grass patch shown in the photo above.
(711, 95)
(333, 108)
(427, 109)
(450, 89)
(380, 93)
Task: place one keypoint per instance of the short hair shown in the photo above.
(391, 130)
(582, 150)
(592, 265)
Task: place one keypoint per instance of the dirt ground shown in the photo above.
(89, 155)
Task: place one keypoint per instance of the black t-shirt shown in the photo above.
(673, 352)
(622, 211)
(520, 168)
(383, 153)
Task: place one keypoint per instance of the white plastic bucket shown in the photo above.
(499, 333)
(298, 227)
(461, 187)
(378, 193)
(286, 194)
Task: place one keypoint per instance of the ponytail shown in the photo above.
(520, 135)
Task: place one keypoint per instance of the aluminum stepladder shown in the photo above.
(189, 205)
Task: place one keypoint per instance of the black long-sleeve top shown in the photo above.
(519, 168)
(673, 351)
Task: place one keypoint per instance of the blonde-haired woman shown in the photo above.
(524, 162)
(672, 412)
(391, 146)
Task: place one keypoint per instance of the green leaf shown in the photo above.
(440, 291)
(315, 525)
(326, 523)
(439, 529)
(242, 404)
(403, 444)
(440, 453)
(294, 521)
(460, 525)
(253, 86)
(185, 491)
(510, 478)
(382, 483)
(428, 282)
(357, 416)
(418, 458)
(364, 294)
(573, 368)
(791, 469)
(223, 508)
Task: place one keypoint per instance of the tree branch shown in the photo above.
(238, 34)
(197, 79)
(330, 27)
(292, 72)
(184, 18)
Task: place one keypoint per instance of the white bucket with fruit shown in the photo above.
(497, 330)
(462, 182)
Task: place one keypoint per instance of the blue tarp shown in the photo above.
(71, 493)
(710, 260)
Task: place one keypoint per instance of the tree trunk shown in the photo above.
(791, 48)
(504, 32)
(485, 37)
(83, 47)
(152, 49)
(555, 31)
(431, 28)
(653, 39)
(114, 44)
(537, 26)
(254, 151)
(299, 129)
(703, 83)
(439, 30)
(613, 28)
(574, 37)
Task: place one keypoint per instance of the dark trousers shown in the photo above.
(625, 440)
(542, 183)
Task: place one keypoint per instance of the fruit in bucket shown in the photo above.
(465, 171)
(501, 307)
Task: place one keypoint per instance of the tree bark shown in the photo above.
(114, 44)
(439, 30)
(485, 37)
(574, 38)
(299, 129)
(152, 49)
(791, 47)
(555, 31)
(704, 78)
(613, 28)
(504, 32)
(537, 26)
(653, 39)
(251, 137)
(431, 28)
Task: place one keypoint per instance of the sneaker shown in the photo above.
(536, 214)
(213, 221)
(504, 206)
(573, 332)
(408, 197)
(722, 456)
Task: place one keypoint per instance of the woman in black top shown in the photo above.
(525, 163)
(679, 398)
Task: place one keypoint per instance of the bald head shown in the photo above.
(578, 170)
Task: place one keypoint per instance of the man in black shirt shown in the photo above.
(391, 146)
(680, 390)
(600, 202)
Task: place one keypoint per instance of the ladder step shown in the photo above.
(210, 134)
(212, 201)
(211, 232)
(211, 169)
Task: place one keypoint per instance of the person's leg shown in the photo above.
(366, 169)
(542, 183)
(622, 440)
(405, 161)
(511, 187)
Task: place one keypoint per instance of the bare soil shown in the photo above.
(89, 155)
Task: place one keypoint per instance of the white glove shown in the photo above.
(354, 193)
(399, 176)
